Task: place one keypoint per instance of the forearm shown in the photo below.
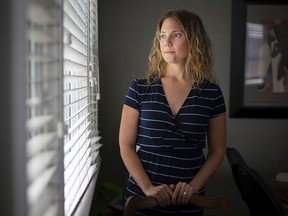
(127, 139)
(212, 163)
(216, 151)
(135, 168)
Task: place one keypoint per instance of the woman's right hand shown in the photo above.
(162, 193)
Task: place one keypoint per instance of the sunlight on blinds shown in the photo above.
(80, 111)
(44, 102)
(94, 83)
(62, 89)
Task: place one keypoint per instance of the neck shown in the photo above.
(175, 71)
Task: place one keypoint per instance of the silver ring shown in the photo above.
(184, 193)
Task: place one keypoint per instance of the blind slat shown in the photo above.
(46, 205)
(77, 15)
(38, 13)
(38, 163)
(38, 122)
(39, 142)
(52, 210)
(40, 36)
(36, 189)
(95, 139)
(34, 102)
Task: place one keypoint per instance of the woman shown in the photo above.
(170, 115)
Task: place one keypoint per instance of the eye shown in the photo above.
(178, 35)
(162, 37)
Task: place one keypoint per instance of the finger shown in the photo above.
(185, 193)
(165, 196)
(175, 193)
(173, 197)
(159, 199)
(168, 199)
(163, 199)
(182, 192)
(190, 191)
(185, 196)
(172, 187)
(169, 190)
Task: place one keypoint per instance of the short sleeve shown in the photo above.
(132, 98)
(219, 104)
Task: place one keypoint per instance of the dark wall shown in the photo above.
(126, 30)
(12, 109)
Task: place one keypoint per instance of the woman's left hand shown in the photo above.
(182, 193)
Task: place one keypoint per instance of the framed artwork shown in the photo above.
(259, 59)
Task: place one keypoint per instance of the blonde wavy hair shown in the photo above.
(199, 62)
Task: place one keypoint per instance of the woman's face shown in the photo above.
(173, 42)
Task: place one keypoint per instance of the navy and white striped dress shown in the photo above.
(171, 147)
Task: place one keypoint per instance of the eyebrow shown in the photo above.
(172, 31)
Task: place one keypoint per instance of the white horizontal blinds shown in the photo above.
(78, 161)
(44, 104)
(94, 53)
(94, 83)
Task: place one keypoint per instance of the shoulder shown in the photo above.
(141, 81)
(142, 84)
(210, 89)
(138, 84)
(209, 85)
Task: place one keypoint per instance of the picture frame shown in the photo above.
(258, 79)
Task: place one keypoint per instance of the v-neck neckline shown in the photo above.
(167, 102)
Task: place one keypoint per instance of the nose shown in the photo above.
(168, 41)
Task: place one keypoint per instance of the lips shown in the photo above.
(169, 52)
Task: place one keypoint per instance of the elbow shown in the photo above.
(218, 154)
(126, 150)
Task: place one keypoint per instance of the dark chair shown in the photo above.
(135, 202)
(255, 192)
(234, 156)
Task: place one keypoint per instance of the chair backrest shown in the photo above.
(234, 156)
(255, 192)
(135, 202)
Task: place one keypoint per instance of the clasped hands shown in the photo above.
(171, 194)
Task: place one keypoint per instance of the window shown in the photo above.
(62, 99)
(80, 98)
